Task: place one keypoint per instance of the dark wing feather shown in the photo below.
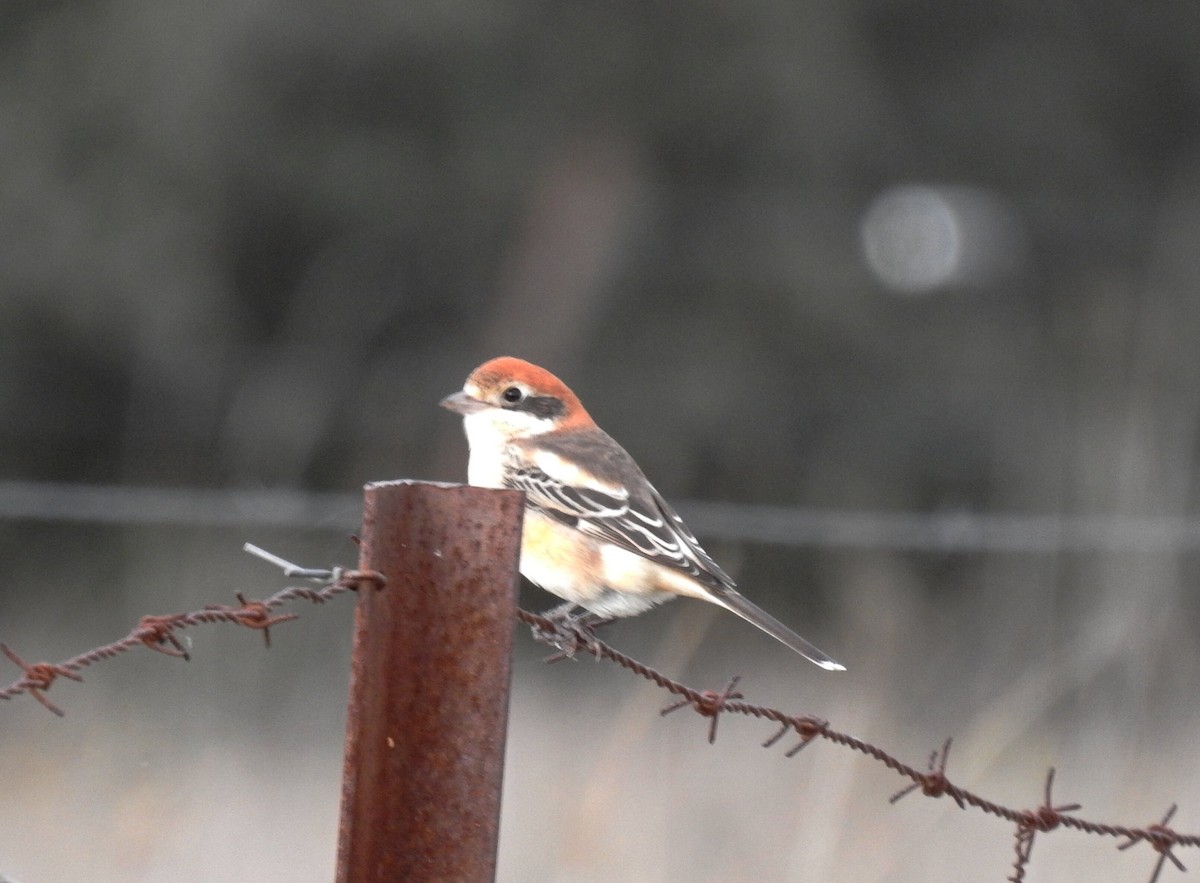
(564, 501)
(644, 524)
(705, 568)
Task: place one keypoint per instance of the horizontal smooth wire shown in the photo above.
(191, 507)
(949, 531)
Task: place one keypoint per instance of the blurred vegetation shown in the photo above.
(248, 243)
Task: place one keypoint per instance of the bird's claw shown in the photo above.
(569, 633)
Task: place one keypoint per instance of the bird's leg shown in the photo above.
(589, 622)
(558, 631)
(586, 620)
(562, 613)
(571, 630)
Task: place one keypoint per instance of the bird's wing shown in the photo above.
(630, 513)
(641, 522)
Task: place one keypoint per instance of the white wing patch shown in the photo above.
(563, 471)
(648, 527)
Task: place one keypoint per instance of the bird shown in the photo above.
(596, 532)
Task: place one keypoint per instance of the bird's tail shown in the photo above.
(737, 603)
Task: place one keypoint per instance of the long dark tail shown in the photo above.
(737, 603)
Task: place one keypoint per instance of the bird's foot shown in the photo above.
(571, 632)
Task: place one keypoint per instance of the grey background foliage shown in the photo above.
(876, 256)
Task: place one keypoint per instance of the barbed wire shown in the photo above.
(569, 639)
(159, 633)
(947, 531)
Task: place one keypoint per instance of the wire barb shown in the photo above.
(934, 782)
(1045, 818)
(709, 704)
(39, 676)
(158, 633)
(254, 615)
(1162, 839)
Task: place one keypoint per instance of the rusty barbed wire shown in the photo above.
(1045, 818)
(159, 632)
(569, 639)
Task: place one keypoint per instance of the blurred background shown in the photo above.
(897, 299)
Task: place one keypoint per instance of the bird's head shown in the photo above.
(516, 399)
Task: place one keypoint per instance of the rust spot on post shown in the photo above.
(429, 684)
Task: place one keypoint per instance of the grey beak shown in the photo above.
(462, 403)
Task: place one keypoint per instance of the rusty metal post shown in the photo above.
(429, 684)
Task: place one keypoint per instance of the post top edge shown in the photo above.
(443, 485)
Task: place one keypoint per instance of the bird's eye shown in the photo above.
(512, 395)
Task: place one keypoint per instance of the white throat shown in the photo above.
(487, 441)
